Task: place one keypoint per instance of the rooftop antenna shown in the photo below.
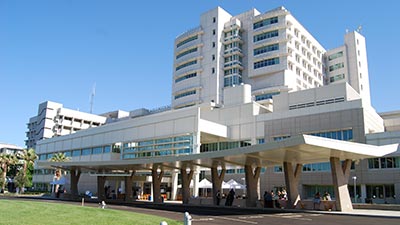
(92, 97)
(359, 28)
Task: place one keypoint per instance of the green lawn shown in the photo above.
(31, 212)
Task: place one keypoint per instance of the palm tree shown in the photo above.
(58, 157)
(6, 160)
(28, 156)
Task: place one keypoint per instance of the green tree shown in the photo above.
(28, 156)
(6, 160)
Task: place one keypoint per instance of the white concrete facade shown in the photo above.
(55, 120)
(271, 51)
(246, 80)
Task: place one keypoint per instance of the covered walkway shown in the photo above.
(292, 153)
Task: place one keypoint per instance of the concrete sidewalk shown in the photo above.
(364, 212)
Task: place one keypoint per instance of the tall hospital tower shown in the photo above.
(270, 51)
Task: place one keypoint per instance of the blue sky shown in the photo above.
(58, 49)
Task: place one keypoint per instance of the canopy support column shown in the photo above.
(216, 179)
(186, 177)
(252, 171)
(157, 184)
(101, 180)
(292, 177)
(128, 187)
(75, 175)
(174, 184)
(340, 178)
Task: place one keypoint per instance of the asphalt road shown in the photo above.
(236, 216)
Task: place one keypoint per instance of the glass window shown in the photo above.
(97, 150)
(336, 55)
(264, 49)
(76, 153)
(42, 157)
(186, 41)
(266, 35)
(278, 169)
(186, 65)
(186, 52)
(67, 153)
(336, 67)
(265, 22)
(185, 77)
(184, 94)
(86, 151)
(267, 62)
(106, 149)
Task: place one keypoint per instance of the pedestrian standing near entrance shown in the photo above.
(317, 200)
(230, 197)
(218, 197)
(268, 201)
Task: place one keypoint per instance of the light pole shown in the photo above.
(355, 188)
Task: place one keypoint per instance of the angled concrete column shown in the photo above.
(101, 180)
(128, 187)
(186, 177)
(157, 184)
(75, 175)
(292, 177)
(216, 179)
(252, 171)
(340, 178)
(196, 178)
(174, 184)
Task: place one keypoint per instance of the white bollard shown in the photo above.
(187, 219)
(163, 223)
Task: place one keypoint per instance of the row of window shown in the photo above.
(233, 71)
(192, 92)
(336, 78)
(158, 147)
(240, 171)
(266, 96)
(336, 55)
(81, 152)
(156, 153)
(233, 58)
(264, 49)
(265, 22)
(384, 163)
(187, 41)
(217, 146)
(336, 66)
(186, 65)
(266, 35)
(313, 167)
(186, 53)
(185, 77)
(267, 62)
(232, 80)
(345, 135)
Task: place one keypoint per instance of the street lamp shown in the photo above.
(355, 189)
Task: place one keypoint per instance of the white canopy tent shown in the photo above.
(235, 185)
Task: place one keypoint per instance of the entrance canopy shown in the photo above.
(301, 149)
